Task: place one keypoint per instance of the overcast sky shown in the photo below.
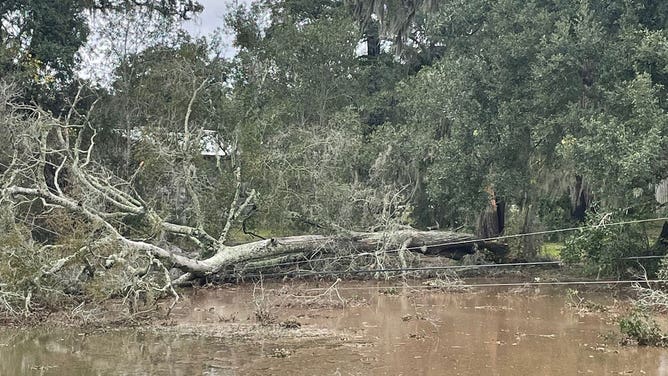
(211, 18)
(97, 67)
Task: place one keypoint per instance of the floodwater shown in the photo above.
(526, 331)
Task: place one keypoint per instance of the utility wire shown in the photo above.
(567, 229)
(643, 257)
(565, 283)
(472, 241)
(308, 273)
(487, 285)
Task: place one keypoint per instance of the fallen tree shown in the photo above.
(451, 244)
(50, 177)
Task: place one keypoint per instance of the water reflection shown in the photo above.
(410, 333)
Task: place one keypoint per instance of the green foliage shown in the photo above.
(552, 250)
(640, 328)
(538, 96)
(25, 286)
(634, 135)
(17, 261)
(663, 269)
(46, 33)
(604, 249)
(40, 41)
(310, 111)
(144, 136)
(514, 97)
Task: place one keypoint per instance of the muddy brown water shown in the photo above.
(526, 331)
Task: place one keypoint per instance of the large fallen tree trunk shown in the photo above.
(446, 243)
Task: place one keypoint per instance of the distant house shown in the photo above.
(213, 146)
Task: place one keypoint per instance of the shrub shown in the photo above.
(640, 328)
(604, 250)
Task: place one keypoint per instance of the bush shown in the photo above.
(640, 328)
(37, 279)
(604, 250)
(662, 274)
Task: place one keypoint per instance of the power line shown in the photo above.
(300, 273)
(565, 283)
(545, 232)
(487, 285)
(473, 241)
(310, 273)
(643, 257)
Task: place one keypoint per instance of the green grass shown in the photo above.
(552, 250)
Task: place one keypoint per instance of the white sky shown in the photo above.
(96, 66)
(211, 18)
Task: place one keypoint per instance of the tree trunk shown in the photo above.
(444, 243)
(491, 221)
(660, 247)
(579, 199)
(372, 39)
